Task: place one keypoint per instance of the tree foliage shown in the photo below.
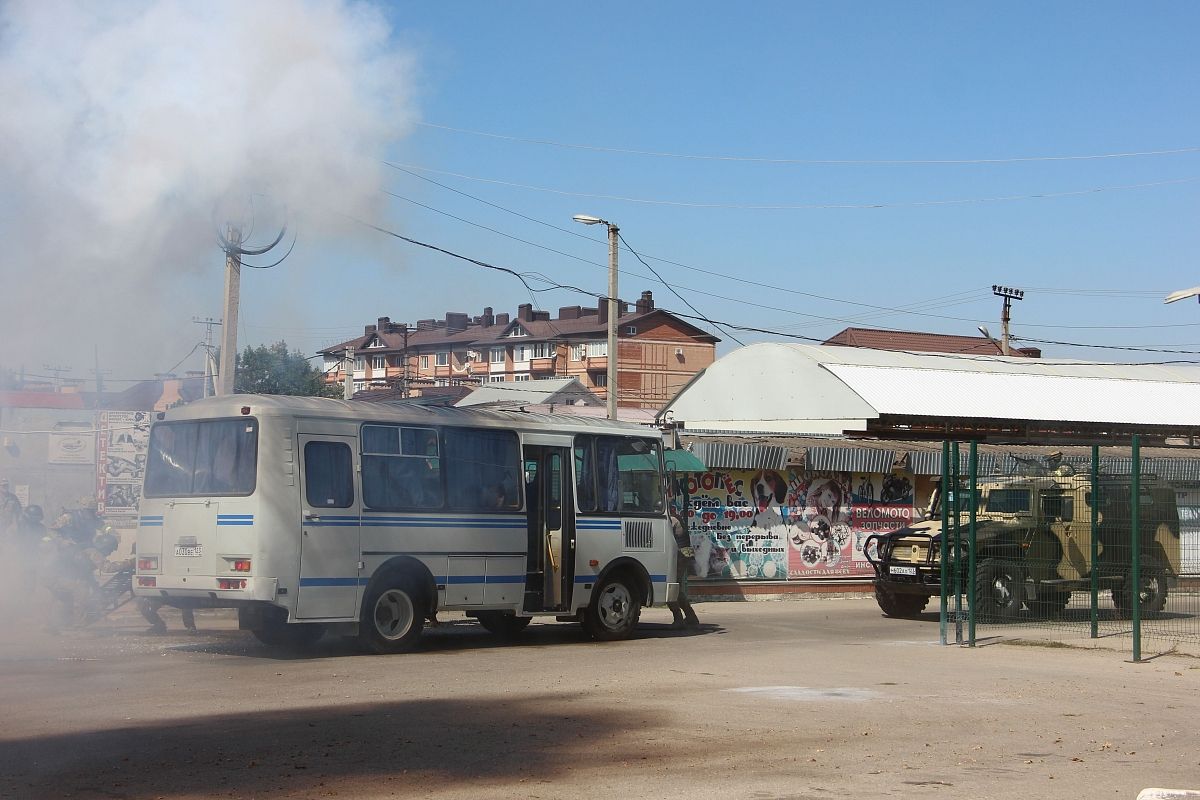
(272, 369)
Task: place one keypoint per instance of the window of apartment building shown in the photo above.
(521, 352)
(378, 362)
(521, 376)
(493, 379)
(631, 330)
(597, 349)
(360, 363)
(359, 385)
(442, 359)
(517, 332)
(424, 362)
(577, 352)
(376, 343)
(543, 350)
(332, 364)
(496, 355)
(600, 379)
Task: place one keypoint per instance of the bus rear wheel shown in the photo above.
(502, 624)
(614, 610)
(391, 621)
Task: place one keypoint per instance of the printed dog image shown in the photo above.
(768, 490)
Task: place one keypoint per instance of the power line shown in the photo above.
(811, 161)
(804, 206)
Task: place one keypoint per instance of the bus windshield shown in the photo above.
(204, 458)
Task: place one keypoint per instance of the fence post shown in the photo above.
(1135, 591)
(1095, 605)
(945, 549)
(957, 467)
(972, 471)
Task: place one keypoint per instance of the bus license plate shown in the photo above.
(189, 550)
(896, 570)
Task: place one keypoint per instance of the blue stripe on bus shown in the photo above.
(151, 522)
(452, 579)
(593, 578)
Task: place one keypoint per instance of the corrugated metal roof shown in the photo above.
(998, 395)
(793, 388)
(723, 455)
(850, 459)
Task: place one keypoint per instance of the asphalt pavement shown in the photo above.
(783, 699)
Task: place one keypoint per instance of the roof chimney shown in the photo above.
(456, 322)
(525, 312)
(488, 319)
(502, 319)
(368, 330)
(384, 324)
(646, 303)
(569, 312)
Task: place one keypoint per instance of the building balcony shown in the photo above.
(541, 365)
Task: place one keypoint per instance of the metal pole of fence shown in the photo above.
(957, 468)
(973, 472)
(1135, 536)
(1095, 540)
(945, 549)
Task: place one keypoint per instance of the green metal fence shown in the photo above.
(1059, 545)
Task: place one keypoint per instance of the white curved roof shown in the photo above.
(798, 388)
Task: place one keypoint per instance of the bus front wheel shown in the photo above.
(614, 610)
(391, 622)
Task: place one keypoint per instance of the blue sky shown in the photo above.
(805, 82)
(846, 81)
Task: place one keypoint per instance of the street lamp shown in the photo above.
(611, 379)
(1182, 294)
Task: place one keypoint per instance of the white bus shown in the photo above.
(311, 515)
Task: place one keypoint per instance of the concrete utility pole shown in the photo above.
(1009, 294)
(348, 375)
(210, 368)
(233, 289)
(611, 376)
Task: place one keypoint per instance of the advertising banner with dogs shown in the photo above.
(776, 525)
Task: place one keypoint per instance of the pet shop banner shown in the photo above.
(122, 437)
(775, 525)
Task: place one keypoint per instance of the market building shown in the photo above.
(810, 449)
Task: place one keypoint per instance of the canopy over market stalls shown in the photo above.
(796, 389)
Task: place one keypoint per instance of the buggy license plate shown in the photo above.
(188, 550)
(902, 571)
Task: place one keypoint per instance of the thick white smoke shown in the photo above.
(125, 125)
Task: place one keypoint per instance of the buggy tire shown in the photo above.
(614, 610)
(905, 606)
(1153, 592)
(296, 636)
(997, 590)
(393, 616)
(503, 624)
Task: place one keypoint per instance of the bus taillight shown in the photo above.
(147, 582)
(231, 583)
(148, 564)
(241, 565)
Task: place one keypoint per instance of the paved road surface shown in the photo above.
(791, 699)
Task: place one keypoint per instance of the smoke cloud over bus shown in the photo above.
(127, 124)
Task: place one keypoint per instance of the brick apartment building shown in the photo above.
(657, 351)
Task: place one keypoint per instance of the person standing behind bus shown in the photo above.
(682, 613)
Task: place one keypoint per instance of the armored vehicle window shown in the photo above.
(1009, 501)
(1058, 506)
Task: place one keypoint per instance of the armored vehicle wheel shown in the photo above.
(391, 622)
(614, 610)
(1153, 591)
(506, 626)
(899, 605)
(997, 589)
(1049, 602)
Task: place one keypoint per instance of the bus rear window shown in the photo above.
(205, 458)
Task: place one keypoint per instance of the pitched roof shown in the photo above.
(549, 390)
(918, 342)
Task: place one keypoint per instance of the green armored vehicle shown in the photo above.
(1034, 542)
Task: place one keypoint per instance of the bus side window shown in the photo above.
(328, 475)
